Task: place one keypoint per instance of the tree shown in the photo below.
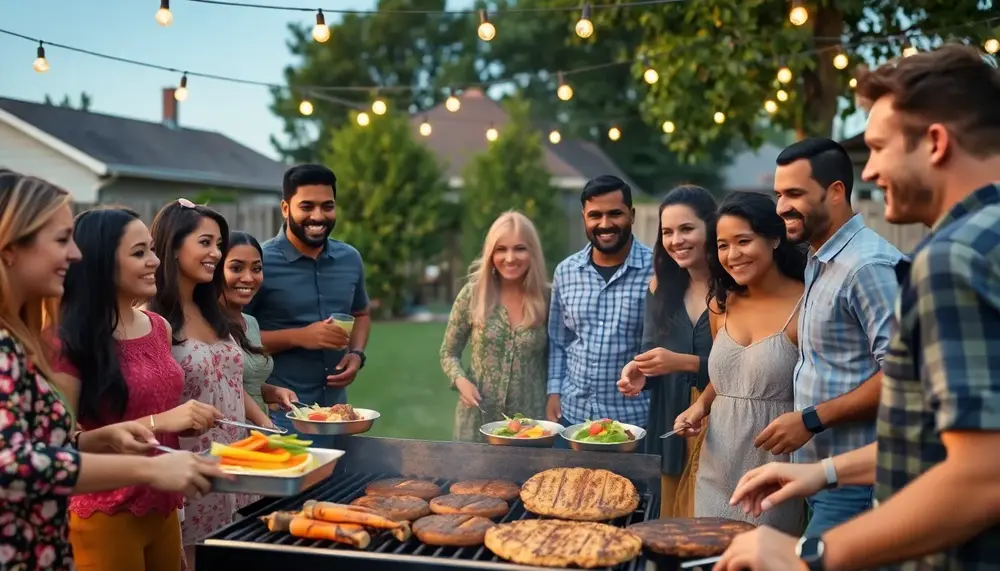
(724, 55)
(511, 174)
(85, 101)
(390, 193)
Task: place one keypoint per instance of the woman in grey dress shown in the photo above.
(755, 291)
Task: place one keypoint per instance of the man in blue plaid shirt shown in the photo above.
(934, 135)
(595, 316)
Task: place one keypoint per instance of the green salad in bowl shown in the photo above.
(604, 431)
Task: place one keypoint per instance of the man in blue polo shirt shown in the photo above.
(308, 277)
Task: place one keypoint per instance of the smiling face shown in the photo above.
(608, 221)
(244, 274)
(311, 214)
(683, 235)
(511, 257)
(136, 262)
(802, 202)
(744, 254)
(38, 269)
(201, 251)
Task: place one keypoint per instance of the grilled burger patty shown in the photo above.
(579, 494)
(423, 489)
(397, 508)
(506, 491)
(457, 530)
(554, 543)
(469, 504)
(689, 537)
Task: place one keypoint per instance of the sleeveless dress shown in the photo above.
(213, 374)
(753, 386)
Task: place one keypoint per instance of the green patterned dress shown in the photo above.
(508, 366)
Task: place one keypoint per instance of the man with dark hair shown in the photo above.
(595, 316)
(308, 277)
(844, 324)
(934, 135)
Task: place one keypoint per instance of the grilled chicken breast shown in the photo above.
(579, 494)
(554, 543)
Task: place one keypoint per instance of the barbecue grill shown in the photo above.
(247, 545)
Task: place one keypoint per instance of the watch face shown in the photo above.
(810, 549)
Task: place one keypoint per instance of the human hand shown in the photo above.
(553, 411)
(689, 422)
(784, 435)
(632, 380)
(763, 488)
(349, 366)
(184, 472)
(119, 438)
(657, 361)
(281, 396)
(763, 549)
(189, 419)
(468, 394)
(323, 335)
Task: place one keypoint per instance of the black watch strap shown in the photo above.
(811, 550)
(360, 354)
(811, 419)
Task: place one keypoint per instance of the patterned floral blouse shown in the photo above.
(37, 469)
(508, 366)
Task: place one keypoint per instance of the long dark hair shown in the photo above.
(89, 315)
(672, 281)
(241, 238)
(759, 210)
(173, 223)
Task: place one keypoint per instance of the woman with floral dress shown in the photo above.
(502, 310)
(43, 460)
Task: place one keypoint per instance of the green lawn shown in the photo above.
(402, 379)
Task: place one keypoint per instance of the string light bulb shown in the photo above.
(564, 91)
(554, 137)
(379, 107)
(784, 74)
(181, 92)
(41, 65)
(164, 16)
(452, 104)
(909, 50)
(487, 31)
(614, 133)
(853, 82)
(770, 106)
(992, 46)
(306, 107)
(782, 95)
(798, 15)
(584, 27)
(321, 32)
(492, 134)
(668, 127)
(719, 117)
(425, 127)
(840, 61)
(649, 75)
(363, 119)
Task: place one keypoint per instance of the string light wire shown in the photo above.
(633, 4)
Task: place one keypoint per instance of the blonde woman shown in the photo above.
(503, 310)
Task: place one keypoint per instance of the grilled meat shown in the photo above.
(470, 504)
(554, 543)
(456, 530)
(689, 537)
(506, 491)
(398, 508)
(423, 489)
(579, 494)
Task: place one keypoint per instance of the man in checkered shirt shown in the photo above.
(934, 135)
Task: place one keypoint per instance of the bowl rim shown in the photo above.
(376, 416)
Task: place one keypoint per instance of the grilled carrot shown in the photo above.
(301, 526)
(340, 513)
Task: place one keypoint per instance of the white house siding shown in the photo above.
(21, 153)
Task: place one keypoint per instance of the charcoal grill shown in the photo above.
(247, 545)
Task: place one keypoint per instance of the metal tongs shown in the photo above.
(251, 426)
(698, 563)
(673, 432)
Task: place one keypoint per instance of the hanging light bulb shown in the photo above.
(584, 27)
(364, 119)
(719, 117)
(614, 133)
(554, 137)
(425, 127)
(306, 107)
(650, 75)
(668, 127)
(40, 64)
(487, 31)
(992, 46)
(492, 134)
(909, 50)
(379, 107)
(840, 61)
(164, 16)
(782, 95)
(784, 74)
(564, 91)
(452, 104)
(853, 82)
(321, 32)
(181, 92)
(798, 15)
(770, 106)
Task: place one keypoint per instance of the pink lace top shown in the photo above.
(155, 382)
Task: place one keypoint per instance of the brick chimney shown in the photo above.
(170, 107)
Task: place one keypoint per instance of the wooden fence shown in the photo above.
(262, 221)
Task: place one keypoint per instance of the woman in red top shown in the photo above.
(118, 357)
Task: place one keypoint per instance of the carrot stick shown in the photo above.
(340, 513)
(301, 526)
(290, 463)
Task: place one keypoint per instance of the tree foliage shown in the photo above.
(511, 174)
(85, 101)
(390, 193)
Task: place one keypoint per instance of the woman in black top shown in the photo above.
(676, 340)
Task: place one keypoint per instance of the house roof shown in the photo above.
(119, 146)
(457, 137)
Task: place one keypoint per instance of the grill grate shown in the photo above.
(349, 486)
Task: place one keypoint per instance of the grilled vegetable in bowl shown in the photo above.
(604, 435)
(521, 431)
(339, 419)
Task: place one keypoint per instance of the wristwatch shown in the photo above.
(360, 354)
(810, 551)
(811, 420)
(830, 471)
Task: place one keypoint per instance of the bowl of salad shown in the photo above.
(336, 420)
(521, 431)
(604, 435)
